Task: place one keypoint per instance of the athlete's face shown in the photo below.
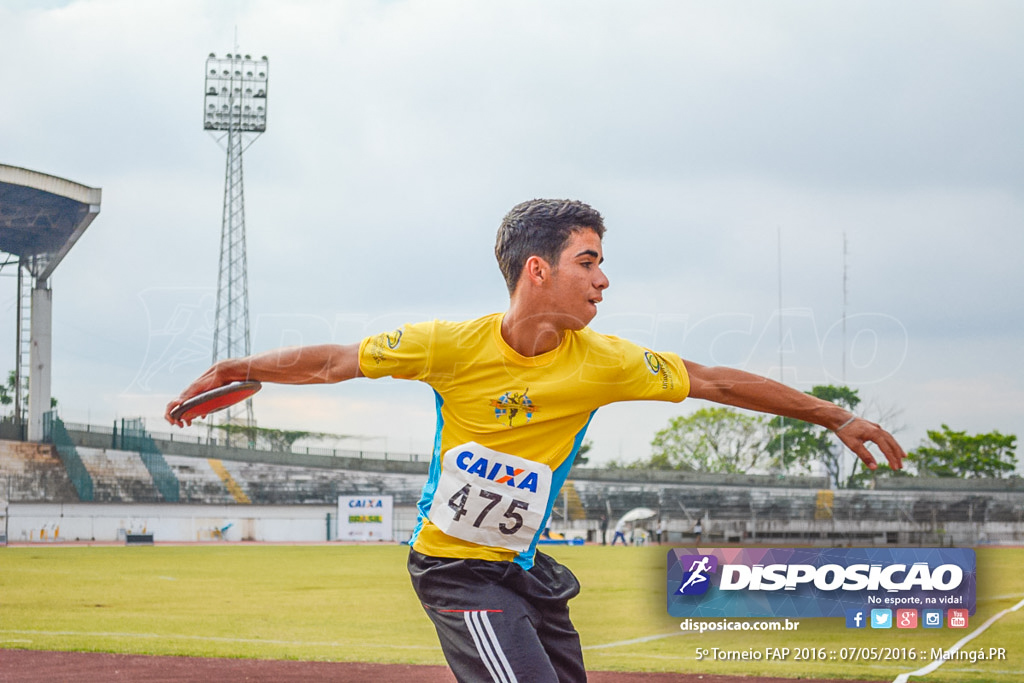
(577, 281)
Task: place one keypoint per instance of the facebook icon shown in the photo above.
(856, 618)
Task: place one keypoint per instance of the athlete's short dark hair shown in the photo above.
(540, 227)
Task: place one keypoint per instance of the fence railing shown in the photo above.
(54, 432)
(135, 438)
(178, 437)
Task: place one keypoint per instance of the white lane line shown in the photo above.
(948, 654)
(991, 598)
(645, 639)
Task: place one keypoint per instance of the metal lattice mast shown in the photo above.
(236, 114)
(231, 325)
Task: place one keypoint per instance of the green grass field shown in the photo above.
(354, 603)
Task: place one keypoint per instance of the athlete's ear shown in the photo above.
(536, 270)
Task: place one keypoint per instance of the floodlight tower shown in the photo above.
(235, 113)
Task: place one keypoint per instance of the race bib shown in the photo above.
(490, 498)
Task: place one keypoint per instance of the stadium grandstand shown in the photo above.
(41, 218)
(81, 477)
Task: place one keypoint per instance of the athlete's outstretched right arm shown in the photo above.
(322, 364)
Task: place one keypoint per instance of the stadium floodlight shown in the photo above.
(236, 93)
(235, 114)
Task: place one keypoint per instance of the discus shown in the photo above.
(215, 399)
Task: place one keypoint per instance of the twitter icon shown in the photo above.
(881, 618)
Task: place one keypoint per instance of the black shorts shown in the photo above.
(499, 622)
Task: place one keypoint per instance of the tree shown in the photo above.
(795, 445)
(947, 453)
(863, 478)
(263, 437)
(7, 390)
(720, 440)
(581, 455)
(798, 445)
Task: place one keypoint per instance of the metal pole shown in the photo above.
(844, 310)
(782, 376)
(17, 349)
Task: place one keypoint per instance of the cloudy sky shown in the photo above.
(719, 140)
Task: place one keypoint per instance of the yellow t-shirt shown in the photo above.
(508, 426)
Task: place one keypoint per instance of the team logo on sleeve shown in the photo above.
(660, 369)
(384, 342)
(653, 362)
(513, 408)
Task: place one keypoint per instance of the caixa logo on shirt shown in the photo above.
(494, 470)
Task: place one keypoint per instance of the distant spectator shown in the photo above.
(620, 532)
(698, 529)
(603, 523)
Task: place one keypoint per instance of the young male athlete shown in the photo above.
(514, 394)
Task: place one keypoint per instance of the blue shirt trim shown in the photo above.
(430, 486)
(558, 477)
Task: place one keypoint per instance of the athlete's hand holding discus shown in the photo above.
(320, 364)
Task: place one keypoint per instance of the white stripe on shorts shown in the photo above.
(487, 645)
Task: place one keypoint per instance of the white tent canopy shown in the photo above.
(637, 514)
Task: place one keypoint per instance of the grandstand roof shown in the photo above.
(42, 216)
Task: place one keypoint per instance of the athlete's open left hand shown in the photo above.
(859, 432)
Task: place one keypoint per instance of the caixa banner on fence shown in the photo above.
(817, 582)
(365, 518)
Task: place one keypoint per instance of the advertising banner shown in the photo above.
(868, 586)
(365, 518)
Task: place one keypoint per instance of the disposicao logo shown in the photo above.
(697, 579)
(819, 582)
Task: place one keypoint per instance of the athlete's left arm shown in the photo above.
(741, 389)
